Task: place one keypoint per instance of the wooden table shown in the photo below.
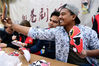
(37, 57)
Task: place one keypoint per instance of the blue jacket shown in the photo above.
(49, 48)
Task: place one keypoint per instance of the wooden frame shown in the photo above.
(1, 5)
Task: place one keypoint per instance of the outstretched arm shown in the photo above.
(44, 34)
(22, 29)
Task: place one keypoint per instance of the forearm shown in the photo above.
(92, 53)
(22, 29)
(12, 46)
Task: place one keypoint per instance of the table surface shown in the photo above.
(37, 57)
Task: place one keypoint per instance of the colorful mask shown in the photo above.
(76, 39)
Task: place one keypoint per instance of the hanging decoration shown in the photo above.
(85, 6)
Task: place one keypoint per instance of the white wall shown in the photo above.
(86, 19)
(24, 7)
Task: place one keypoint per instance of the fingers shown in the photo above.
(9, 20)
(83, 54)
(3, 20)
(23, 44)
(6, 21)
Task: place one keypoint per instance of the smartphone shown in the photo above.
(5, 9)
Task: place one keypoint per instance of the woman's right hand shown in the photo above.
(7, 22)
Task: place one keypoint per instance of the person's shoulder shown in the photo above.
(86, 29)
(59, 27)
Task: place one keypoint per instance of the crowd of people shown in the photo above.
(55, 39)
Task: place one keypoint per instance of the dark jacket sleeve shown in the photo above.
(2, 33)
(37, 47)
(12, 46)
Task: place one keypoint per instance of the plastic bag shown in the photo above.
(6, 60)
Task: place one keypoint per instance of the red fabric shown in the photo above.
(38, 53)
(93, 19)
(97, 19)
(20, 38)
(29, 40)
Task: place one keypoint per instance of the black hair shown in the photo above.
(25, 23)
(77, 21)
(55, 13)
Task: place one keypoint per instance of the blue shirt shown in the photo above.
(90, 40)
